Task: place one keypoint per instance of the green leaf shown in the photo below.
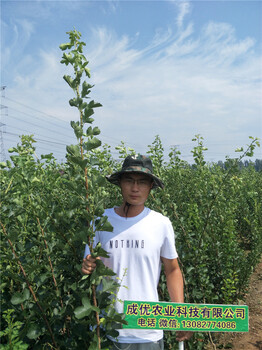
(93, 104)
(86, 301)
(92, 143)
(99, 180)
(67, 58)
(89, 131)
(3, 164)
(8, 163)
(82, 311)
(68, 79)
(96, 131)
(94, 161)
(87, 71)
(99, 210)
(92, 131)
(79, 161)
(87, 113)
(73, 150)
(99, 251)
(66, 46)
(103, 224)
(19, 298)
(100, 272)
(77, 129)
(47, 156)
(93, 346)
(86, 89)
(76, 102)
(85, 310)
(89, 120)
(34, 331)
(107, 227)
(109, 285)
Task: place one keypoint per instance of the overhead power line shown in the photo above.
(60, 120)
(38, 126)
(34, 109)
(37, 139)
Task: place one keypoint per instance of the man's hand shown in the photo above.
(183, 335)
(88, 265)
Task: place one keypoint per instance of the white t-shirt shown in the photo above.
(136, 244)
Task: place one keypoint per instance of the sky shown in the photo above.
(175, 69)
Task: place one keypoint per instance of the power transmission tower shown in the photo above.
(2, 126)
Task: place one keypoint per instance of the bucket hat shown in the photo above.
(136, 164)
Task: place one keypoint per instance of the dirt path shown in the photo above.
(253, 339)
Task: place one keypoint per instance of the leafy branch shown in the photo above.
(249, 152)
(82, 157)
(30, 287)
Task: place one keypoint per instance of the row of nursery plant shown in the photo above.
(47, 208)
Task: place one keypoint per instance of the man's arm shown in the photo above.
(174, 280)
(175, 286)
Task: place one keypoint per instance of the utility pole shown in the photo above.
(2, 126)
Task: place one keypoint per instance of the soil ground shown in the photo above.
(251, 340)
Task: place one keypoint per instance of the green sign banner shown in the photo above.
(186, 317)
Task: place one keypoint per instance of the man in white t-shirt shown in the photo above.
(141, 241)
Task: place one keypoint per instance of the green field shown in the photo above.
(47, 208)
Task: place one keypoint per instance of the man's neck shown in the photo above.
(129, 211)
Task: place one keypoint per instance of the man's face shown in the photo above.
(135, 188)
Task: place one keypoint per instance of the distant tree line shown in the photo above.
(243, 164)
